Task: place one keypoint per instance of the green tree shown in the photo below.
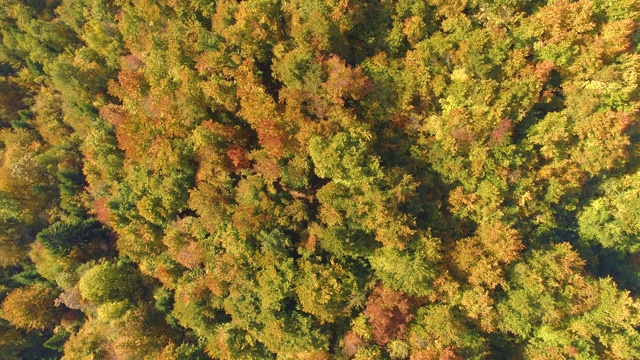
(61, 237)
(613, 219)
(549, 302)
(110, 281)
(328, 292)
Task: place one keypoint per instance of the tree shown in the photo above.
(328, 292)
(413, 270)
(295, 179)
(110, 282)
(61, 237)
(32, 308)
(439, 333)
(550, 304)
(613, 219)
(484, 257)
(389, 314)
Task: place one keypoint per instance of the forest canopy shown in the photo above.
(319, 179)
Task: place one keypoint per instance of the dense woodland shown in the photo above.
(319, 179)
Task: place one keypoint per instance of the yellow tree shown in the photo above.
(32, 308)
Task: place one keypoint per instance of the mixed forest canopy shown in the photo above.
(319, 179)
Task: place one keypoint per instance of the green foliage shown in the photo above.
(551, 304)
(233, 343)
(412, 269)
(613, 219)
(193, 302)
(310, 179)
(112, 311)
(56, 342)
(61, 237)
(439, 330)
(86, 343)
(326, 291)
(183, 351)
(110, 282)
(343, 158)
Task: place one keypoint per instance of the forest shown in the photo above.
(319, 179)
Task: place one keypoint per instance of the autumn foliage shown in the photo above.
(319, 179)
